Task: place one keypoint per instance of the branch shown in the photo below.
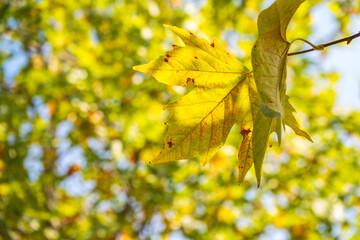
(322, 46)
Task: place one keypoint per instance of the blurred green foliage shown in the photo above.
(77, 126)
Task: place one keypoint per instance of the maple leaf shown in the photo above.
(225, 94)
(269, 56)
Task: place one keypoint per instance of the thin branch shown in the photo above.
(322, 46)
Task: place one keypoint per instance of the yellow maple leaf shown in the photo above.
(225, 94)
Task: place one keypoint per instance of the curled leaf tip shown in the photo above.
(168, 26)
(138, 68)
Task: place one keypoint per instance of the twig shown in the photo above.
(322, 46)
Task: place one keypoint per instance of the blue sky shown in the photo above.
(343, 59)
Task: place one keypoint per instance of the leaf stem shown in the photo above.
(315, 47)
(322, 46)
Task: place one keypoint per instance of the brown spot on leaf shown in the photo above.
(166, 60)
(213, 44)
(189, 80)
(245, 132)
(191, 33)
(174, 45)
(196, 58)
(169, 143)
(167, 55)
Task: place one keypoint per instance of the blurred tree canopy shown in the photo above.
(78, 125)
